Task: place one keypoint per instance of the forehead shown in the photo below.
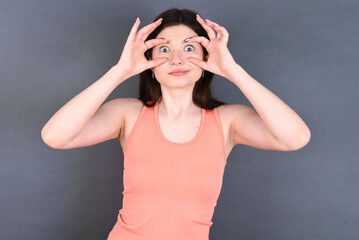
(176, 33)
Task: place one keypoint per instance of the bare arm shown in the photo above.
(272, 125)
(72, 118)
(81, 121)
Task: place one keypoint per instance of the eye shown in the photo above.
(190, 46)
(162, 48)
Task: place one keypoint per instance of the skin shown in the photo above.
(177, 91)
(272, 125)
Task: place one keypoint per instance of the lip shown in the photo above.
(178, 72)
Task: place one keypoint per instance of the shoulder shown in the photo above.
(126, 108)
(228, 112)
(233, 114)
(130, 108)
(128, 104)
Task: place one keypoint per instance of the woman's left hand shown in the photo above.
(220, 60)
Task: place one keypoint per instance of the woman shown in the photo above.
(175, 136)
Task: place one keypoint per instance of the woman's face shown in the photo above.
(177, 51)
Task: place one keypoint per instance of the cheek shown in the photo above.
(156, 53)
(161, 69)
(197, 52)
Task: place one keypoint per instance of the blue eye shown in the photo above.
(190, 46)
(162, 48)
(167, 48)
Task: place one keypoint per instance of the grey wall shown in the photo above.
(305, 52)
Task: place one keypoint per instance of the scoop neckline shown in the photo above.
(166, 141)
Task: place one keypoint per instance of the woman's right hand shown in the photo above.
(133, 60)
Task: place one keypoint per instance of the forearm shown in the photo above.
(70, 119)
(284, 124)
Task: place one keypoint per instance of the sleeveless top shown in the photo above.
(170, 189)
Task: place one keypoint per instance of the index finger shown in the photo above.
(209, 30)
(134, 29)
(145, 31)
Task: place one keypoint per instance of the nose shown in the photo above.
(176, 58)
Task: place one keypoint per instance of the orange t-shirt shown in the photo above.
(170, 189)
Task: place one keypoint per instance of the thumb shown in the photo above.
(156, 62)
(197, 62)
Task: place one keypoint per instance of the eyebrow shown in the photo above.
(169, 40)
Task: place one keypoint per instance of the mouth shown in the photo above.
(178, 73)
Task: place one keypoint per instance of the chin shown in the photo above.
(177, 82)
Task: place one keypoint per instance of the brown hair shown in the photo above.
(150, 90)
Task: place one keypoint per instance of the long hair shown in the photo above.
(150, 90)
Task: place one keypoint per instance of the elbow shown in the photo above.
(44, 136)
(302, 141)
(47, 140)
